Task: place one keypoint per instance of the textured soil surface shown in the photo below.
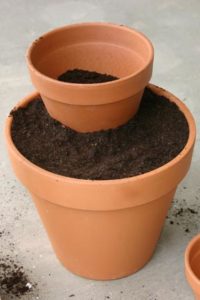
(152, 138)
(83, 76)
(15, 279)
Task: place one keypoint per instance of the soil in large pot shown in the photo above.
(153, 137)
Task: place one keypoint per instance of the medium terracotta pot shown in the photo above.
(104, 229)
(101, 47)
(192, 265)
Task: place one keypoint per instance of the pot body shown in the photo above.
(104, 244)
(192, 265)
(104, 229)
(102, 47)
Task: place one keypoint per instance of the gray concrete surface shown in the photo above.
(174, 28)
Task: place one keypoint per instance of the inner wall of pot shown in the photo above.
(115, 51)
(194, 259)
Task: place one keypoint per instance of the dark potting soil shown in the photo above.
(13, 280)
(83, 76)
(185, 215)
(152, 138)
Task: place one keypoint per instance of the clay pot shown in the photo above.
(102, 47)
(192, 265)
(104, 229)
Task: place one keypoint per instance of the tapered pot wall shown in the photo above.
(104, 245)
(102, 47)
(104, 229)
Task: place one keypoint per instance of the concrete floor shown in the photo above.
(174, 28)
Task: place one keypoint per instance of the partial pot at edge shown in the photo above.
(104, 229)
(102, 47)
(192, 265)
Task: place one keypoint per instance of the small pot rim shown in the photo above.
(191, 274)
(94, 85)
(155, 89)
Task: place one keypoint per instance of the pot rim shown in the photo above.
(190, 274)
(87, 86)
(57, 177)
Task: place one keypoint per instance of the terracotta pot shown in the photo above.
(192, 265)
(104, 229)
(101, 47)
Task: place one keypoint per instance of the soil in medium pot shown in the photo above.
(156, 135)
(84, 76)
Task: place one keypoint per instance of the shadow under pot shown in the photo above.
(104, 229)
(102, 47)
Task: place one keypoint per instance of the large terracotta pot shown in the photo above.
(104, 229)
(101, 47)
(192, 265)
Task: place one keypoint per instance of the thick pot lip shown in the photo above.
(64, 179)
(61, 84)
(192, 278)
